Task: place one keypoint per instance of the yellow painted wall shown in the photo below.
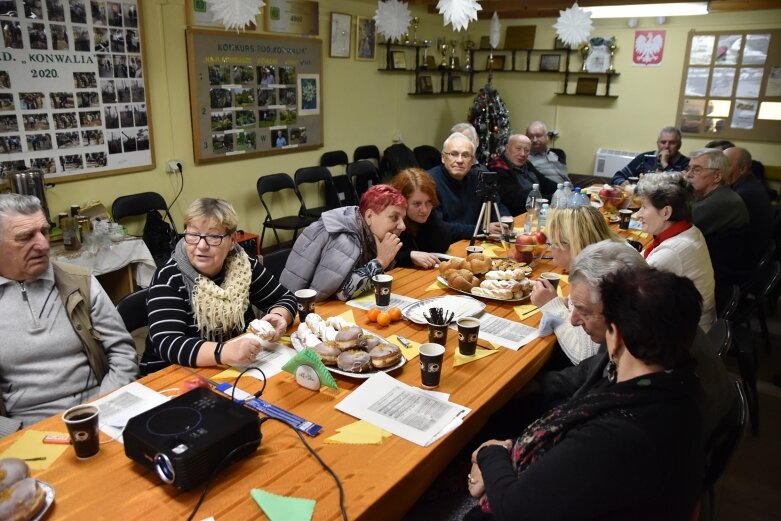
(363, 106)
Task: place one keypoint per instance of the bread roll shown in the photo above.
(504, 294)
(479, 263)
(452, 264)
(493, 285)
(515, 274)
(462, 280)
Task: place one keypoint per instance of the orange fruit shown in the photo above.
(383, 319)
(395, 314)
(372, 314)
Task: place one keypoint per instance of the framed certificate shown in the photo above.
(341, 35)
(399, 60)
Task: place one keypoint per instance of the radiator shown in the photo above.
(608, 162)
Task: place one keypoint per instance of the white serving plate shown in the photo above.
(442, 280)
(462, 306)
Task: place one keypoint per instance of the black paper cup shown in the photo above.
(306, 302)
(437, 333)
(82, 423)
(382, 289)
(468, 328)
(431, 358)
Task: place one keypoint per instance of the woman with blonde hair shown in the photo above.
(426, 233)
(569, 230)
(200, 301)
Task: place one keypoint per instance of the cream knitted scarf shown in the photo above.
(219, 310)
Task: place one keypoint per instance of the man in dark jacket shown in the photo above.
(517, 175)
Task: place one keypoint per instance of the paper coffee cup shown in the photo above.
(551, 277)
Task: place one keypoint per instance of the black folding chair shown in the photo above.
(363, 175)
(274, 261)
(370, 152)
(427, 156)
(335, 158)
(140, 204)
(316, 175)
(275, 183)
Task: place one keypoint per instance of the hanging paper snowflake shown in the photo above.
(393, 18)
(458, 12)
(573, 26)
(235, 14)
(495, 30)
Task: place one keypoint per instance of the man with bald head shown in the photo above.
(457, 187)
(754, 194)
(517, 175)
(550, 162)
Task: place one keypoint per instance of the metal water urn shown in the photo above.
(30, 182)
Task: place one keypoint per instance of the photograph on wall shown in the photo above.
(365, 38)
(70, 84)
(309, 94)
(246, 89)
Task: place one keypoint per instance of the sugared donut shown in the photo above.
(354, 361)
(385, 355)
(349, 337)
(327, 351)
(22, 500)
(11, 471)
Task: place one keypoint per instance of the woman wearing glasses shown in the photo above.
(426, 233)
(201, 300)
(569, 231)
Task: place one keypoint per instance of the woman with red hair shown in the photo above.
(426, 233)
(340, 252)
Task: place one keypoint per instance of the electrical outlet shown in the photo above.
(174, 165)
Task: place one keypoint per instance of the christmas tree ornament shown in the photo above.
(393, 18)
(496, 28)
(458, 12)
(573, 26)
(235, 14)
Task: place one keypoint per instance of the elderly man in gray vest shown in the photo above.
(550, 162)
(63, 342)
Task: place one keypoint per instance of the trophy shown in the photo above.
(612, 48)
(453, 46)
(584, 50)
(443, 47)
(468, 46)
(424, 63)
(415, 24)
(405, 38)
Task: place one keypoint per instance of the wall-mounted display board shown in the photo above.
(727, 76)
(73, 92)
(253, 95)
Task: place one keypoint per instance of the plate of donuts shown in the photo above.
(345, 348)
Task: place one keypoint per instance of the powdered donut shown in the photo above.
(354, 361)
(328, 352)
(385, 355)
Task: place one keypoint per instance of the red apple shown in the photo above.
(525, 240)
(540, 237)
(611, 197)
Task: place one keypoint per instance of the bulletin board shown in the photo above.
(727, 75)
(73, 92)
(253, 95)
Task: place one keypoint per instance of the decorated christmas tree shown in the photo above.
(491, 119)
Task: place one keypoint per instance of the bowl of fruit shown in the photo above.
(612, 198)
(530, 246)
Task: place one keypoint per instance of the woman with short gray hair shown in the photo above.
(678, 246)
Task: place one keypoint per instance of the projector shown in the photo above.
(186, 438)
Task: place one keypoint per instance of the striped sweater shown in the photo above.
(173, 335)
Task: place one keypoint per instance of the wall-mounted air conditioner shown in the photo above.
(608, 162)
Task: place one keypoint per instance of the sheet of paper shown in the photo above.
(30, 447)
(500, 331)
(270, 360)
(396, 300)
(401, 409)
(124, 403)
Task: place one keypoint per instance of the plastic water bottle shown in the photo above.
(531, 208)
(576, 199)
(542, 218)
(566, 195)
(557, 196)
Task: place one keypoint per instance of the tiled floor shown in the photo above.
(750, 489)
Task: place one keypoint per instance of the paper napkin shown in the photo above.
(282, 508)
(358, 433)
(31, 445)
(525, 311)
(460, 359)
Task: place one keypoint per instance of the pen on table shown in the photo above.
(39, 458)
(529, 312)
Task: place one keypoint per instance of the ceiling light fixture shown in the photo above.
(648, 10)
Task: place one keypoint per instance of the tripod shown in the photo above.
(484, 219)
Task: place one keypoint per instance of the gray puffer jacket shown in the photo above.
(325, 254)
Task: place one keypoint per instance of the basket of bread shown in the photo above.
(481, 276)
(21, 497)
(345, 348)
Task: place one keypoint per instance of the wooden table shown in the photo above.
(380, 481)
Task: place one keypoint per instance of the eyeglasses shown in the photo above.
(211, 240)
(697, 169)
(466, 156)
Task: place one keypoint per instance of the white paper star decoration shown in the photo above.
(573, 26)
(458, 12)
(235, 14)
(393, 18)
(496, 28)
